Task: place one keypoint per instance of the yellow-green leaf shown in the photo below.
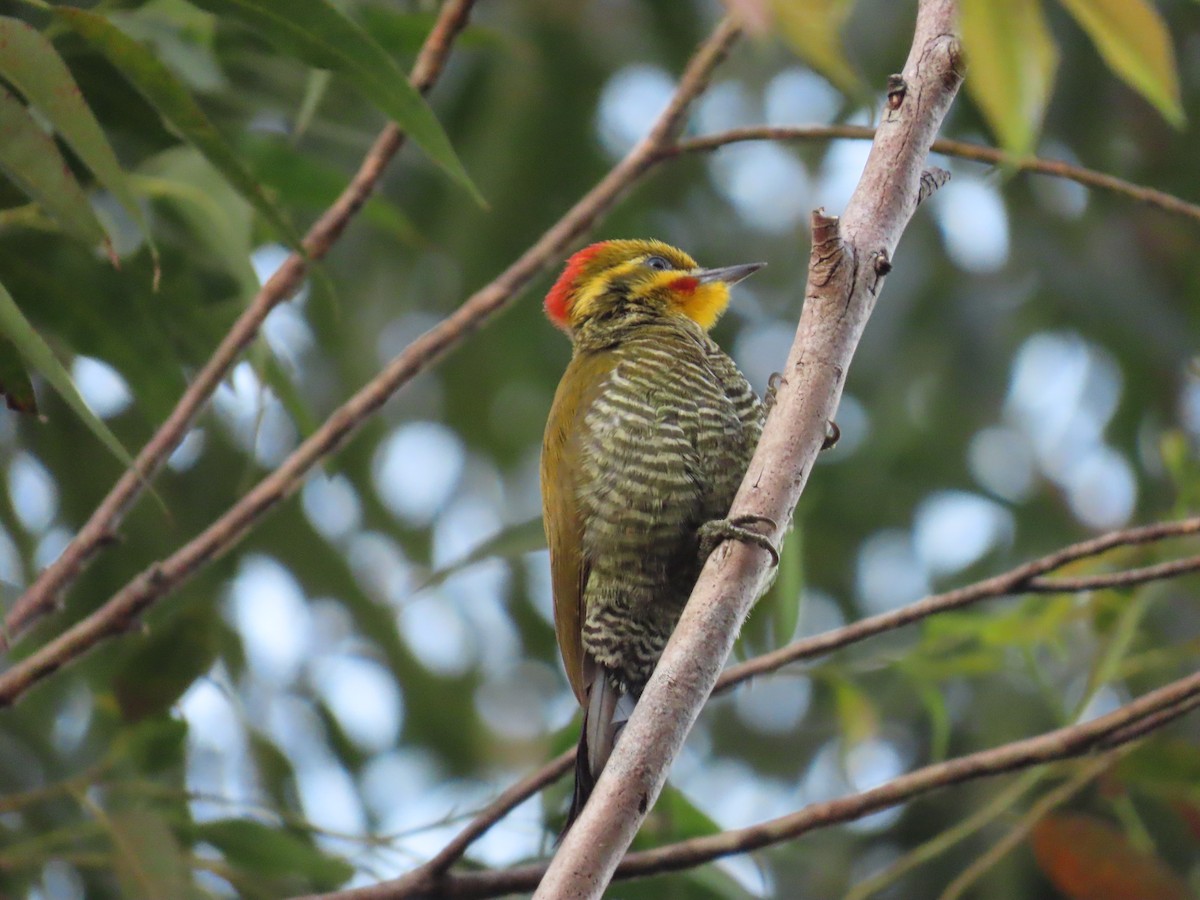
(1134, 41)
(33, 66)
(266, 852)
(513, 540)
(811, 28)
(1012, 59)
(32, 160)
(856, 713)
(177, 107)
(218, 216)
(37, 355)
(321, 35)
(147, 855)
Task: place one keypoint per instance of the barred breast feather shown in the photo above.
(662, 441)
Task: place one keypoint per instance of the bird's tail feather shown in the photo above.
(608, 709)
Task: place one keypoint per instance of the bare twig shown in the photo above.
(433, 879)
(1116, 579)
(1160, 707)
(118, 613)
(848, 265)
(960, 149)
(1023, 579)
(494, 812)
(42, 596)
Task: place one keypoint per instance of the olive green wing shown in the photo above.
(562, 514)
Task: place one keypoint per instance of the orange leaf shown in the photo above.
(1190, 813)
(1088, 859)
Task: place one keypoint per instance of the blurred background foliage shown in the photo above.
(328, 702)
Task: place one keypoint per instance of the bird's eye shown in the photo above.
(657, 262)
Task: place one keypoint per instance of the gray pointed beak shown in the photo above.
(727, 274)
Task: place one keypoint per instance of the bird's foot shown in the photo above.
(714, 533)
(773, 384)
(832, 434)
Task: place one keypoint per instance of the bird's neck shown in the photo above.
(620, 325)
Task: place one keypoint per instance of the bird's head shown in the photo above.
(609, 279)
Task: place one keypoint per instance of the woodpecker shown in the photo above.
(648, 438)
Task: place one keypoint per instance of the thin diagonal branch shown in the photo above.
(1022, 579)
(1127, 578)
(42, 596)
(959, 149)
(494, 812)
(1130, 722)
(119, 612)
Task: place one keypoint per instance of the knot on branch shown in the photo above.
(931, 179)
(828, 249)
(897, 87)
(881, 264)
(957, 69)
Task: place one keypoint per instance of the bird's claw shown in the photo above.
(832, 434)
(773, 384)
(714, 533)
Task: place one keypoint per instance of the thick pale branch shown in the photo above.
(959, 149)
(846, 272)
(41, 596)
(120, 611)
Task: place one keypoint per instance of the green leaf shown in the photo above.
(151, 746)
(969, 664)
(939, 719)
(315, 89)
(276, 775)
(812, 29)
(1170, 766)
(217, 216)
(31, 159)
(1134, 41)
(1012, 59)
(318, 33)
(274, 373)
(789, 583)
(303, 182)
(514, 540)
(776, 616)
(177, 107)
(402, 33)
(33, 66)
(14, 380)
(38, 355)
(177, 651)
(855, 711)
(681, 816)
(273, 853)
(148, 857)
(1183, 470)
(181, 36)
